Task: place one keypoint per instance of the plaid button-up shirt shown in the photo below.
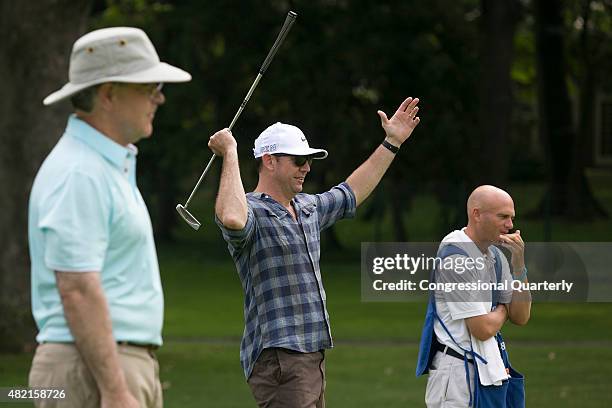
(277, 259)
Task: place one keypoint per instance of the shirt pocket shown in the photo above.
(276, 231)
(310, 225)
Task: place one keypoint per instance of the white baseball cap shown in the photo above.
(287, 139)
(116, 54)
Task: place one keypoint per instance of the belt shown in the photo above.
(450, 352)
(291, 351)
(119, 343)
(150, 347)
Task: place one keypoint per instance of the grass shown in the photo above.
(208, 375)
(564, 352)
(561, 350)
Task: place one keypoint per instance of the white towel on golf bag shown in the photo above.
(494, 372)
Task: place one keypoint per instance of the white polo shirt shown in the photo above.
(453, 308)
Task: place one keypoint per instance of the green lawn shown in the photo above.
(561, 350)
(371, 375)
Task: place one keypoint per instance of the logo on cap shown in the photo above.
(268, 148)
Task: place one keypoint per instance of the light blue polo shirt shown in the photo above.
(86, 214)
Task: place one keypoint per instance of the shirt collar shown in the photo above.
(111, 150)
(277, 208)
(488, 255)
(297, 203)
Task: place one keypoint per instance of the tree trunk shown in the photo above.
(499, 20)
(37, 37)
(568, 193)
(584, 205)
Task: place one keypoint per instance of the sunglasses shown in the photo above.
(151, 89)
(299, 161)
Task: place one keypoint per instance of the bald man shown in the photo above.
(461, 324)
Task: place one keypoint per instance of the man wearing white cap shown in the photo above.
(96, 291)
(273, 236)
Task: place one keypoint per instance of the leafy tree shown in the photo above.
(569, 193)
(499, 21)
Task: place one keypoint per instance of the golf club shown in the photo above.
(289, 20)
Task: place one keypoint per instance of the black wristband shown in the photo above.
(392, 149)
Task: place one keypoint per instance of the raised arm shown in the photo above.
(397, 129)
(231, 206)
(89, 320)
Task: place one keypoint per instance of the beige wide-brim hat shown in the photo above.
(117, 54)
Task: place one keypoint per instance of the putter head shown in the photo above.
(190, 219)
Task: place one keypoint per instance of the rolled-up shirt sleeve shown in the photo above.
(335, 204)
(238, 239)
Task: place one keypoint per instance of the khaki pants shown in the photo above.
(446, 385)
(288, 379)
(59, 365)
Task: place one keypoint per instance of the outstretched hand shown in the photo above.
(402, 123)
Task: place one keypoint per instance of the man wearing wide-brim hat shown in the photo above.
(96, 292)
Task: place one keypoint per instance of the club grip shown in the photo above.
(291, 16)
